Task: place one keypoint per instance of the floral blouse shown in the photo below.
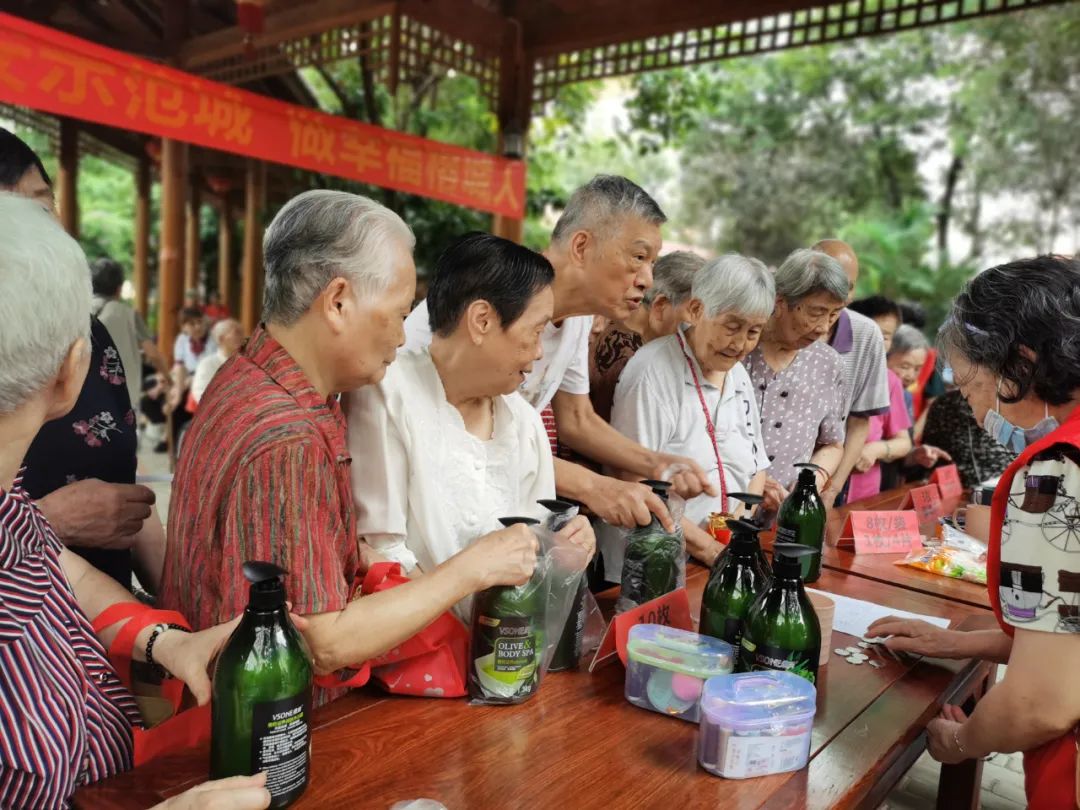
(97, 439)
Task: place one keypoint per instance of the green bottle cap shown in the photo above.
(786, 559)
(267, 590)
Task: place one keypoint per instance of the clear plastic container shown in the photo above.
(756, 724)
(667, 668)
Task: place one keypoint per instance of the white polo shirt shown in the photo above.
(657, 405)
(564, 366)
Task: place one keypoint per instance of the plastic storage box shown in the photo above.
(755, 724)
(667, 668)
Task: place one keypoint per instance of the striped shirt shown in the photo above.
(65, 719)
(866, 385)
(263, 475)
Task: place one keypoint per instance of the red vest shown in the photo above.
(1050, 770)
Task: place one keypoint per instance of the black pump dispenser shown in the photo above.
(660, 488)
(267, 590)
(787, 559)
(514, 521)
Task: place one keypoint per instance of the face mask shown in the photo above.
(1016, 438)
(947, 375)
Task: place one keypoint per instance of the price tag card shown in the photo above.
(926, 501)
(881, 532)
(948, 482)
(672, 610)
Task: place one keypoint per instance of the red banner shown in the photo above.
(47, 70)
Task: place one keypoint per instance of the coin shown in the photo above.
(864, 645)
(876, 664)
(856, 660)
(860, 657)
(841, 651)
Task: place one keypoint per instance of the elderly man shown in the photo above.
(228, 336)
(602, 248)
(81, 467)
(661, 312)
(866, 383)
(265, 471)
(797, 379)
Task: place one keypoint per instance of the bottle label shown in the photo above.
(279, 744)
(758, 657)
(786, 534)
(507, 656)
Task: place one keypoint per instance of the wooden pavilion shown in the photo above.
(519, 51)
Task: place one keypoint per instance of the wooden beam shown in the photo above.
(67, 179)
(226, 285)
(171, 250)
(192, 241)
(251, 277)
(301, 20)
(141, 266)
(143, 17)
(462, 19)
(548, 31)
(514, 110)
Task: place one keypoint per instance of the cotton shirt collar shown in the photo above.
(843, 339)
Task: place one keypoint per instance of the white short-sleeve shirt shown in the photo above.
(564, 366)
(656, 404)
(424, 487)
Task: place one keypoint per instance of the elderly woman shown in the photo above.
(907, 355)
(1013, 342)
(445, 444)
(688, 394)
(228, 336)
(798, 379)
(68, 718)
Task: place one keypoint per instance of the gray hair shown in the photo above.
(319, 235)
(222, 326)
(673, 275)
(806, 272)
(42, 270)
(908, 339)
(598, 203)
(734, 283)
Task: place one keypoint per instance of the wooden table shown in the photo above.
(883, 567)
(579, 744)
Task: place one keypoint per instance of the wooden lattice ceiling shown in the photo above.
(552, 43)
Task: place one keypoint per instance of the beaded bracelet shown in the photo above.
(158, 629)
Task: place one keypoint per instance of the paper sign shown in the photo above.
(881, 532)
(671, 610)
(854, 616)
(926, 501)
(948, 482)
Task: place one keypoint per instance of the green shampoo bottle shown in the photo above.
(508, 636)
(782, 631)
(802, 520)
(261, 709)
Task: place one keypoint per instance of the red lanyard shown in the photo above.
(708, 423)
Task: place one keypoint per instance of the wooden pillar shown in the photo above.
(171, 255)
(141, 269)
(225, 282)
(192, 247)
(514, 113)
(67, 179)
(251, 278)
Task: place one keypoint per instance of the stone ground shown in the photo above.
(1003, 777)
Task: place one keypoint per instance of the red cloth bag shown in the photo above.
(431, 663)
(186, 728)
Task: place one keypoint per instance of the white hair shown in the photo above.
(44, 299)
(806, 272)
(319, 235)
(673, 276)
(734, 283)
(223, 326)
(908, 339)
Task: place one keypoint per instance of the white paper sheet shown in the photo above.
(854, 616)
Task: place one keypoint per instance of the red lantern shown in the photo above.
(218, 184)
(153, 149)
(250, 15)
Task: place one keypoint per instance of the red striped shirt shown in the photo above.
(263, 475)
(65, 719)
